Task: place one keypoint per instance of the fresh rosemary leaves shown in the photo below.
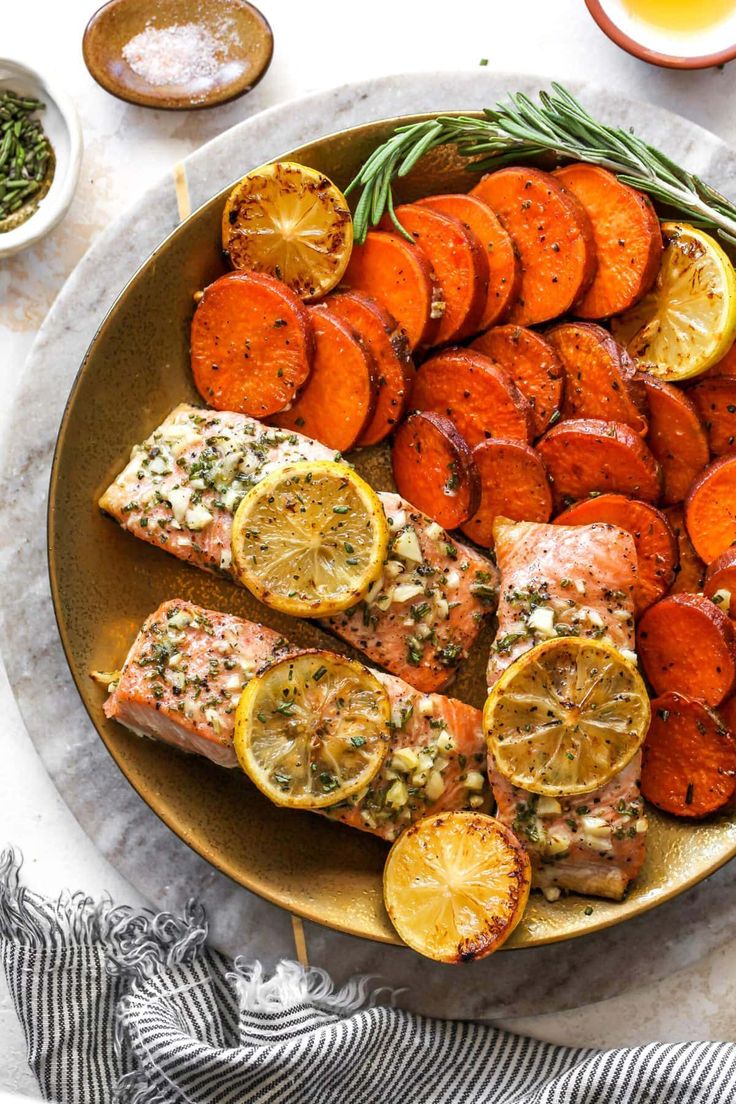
(522, 129)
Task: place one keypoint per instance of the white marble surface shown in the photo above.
(127, 149)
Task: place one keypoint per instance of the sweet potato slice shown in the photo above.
(727, 714)
(676, 437)
(434, 469)
(398, 275)
(724, 367)
(584, 457)
(715, 400)
(474, 393)
(686, 643)
(688, 758)
(386, 341)
(628, 240)
(534, 367)
(460, 265)
(600, 378)
(338, 401)
(720, 581)
(504, 270)
(656, 545)
(251, 344)
(710, 509)
(513, 484)
(553, 237)
(690, 569)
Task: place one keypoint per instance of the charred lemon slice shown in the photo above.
(455, 885)
(310, 538)
(312, 729)
(688, 320)
(291, 222)
(566, 717)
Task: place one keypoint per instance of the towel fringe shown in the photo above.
(138, 943)
(292, 985)
(134, 1088)
(147, 943)
(33, 921)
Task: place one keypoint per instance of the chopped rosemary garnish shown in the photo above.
(26, 159)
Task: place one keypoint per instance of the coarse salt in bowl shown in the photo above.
(177, 54)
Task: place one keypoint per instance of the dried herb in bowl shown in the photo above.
(26, 159)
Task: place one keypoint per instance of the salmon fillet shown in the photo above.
(422, 617)
(437, 761)
(184, 483)
(182, 680)
(184, 674)
(593, 843)
(570, 580)
(573, 580)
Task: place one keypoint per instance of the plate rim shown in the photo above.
(646, 905)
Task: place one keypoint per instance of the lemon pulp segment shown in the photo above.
(687, 322)
(310, 538)
(566, 717)
(291, 222)
(456, 885)
(312, 729)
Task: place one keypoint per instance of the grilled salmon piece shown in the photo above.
(562, 580)
(185, 672)
(592, 844)
(183, 485)
(421, 618)
(579, 581)
(436, 764)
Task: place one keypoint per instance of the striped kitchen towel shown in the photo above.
(132, 1007)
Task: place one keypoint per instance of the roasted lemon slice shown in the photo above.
(291, 222)
(688, 320)
(455, 885)
(312, 729)
(566, 717)
(310, 538)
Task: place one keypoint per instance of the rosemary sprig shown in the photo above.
(521, 129)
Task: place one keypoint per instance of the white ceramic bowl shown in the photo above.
(61, 125)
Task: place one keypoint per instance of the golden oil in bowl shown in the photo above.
(675, 30)
(681, 16)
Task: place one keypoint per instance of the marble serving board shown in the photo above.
(153, 859)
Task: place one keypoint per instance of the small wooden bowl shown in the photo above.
(245, 48)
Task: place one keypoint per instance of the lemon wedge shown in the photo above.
(566, 717)
(310, 538)
(455, 885)
(291, 222)
(312, 729)
(687, 322)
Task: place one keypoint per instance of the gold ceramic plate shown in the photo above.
(105, 582)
